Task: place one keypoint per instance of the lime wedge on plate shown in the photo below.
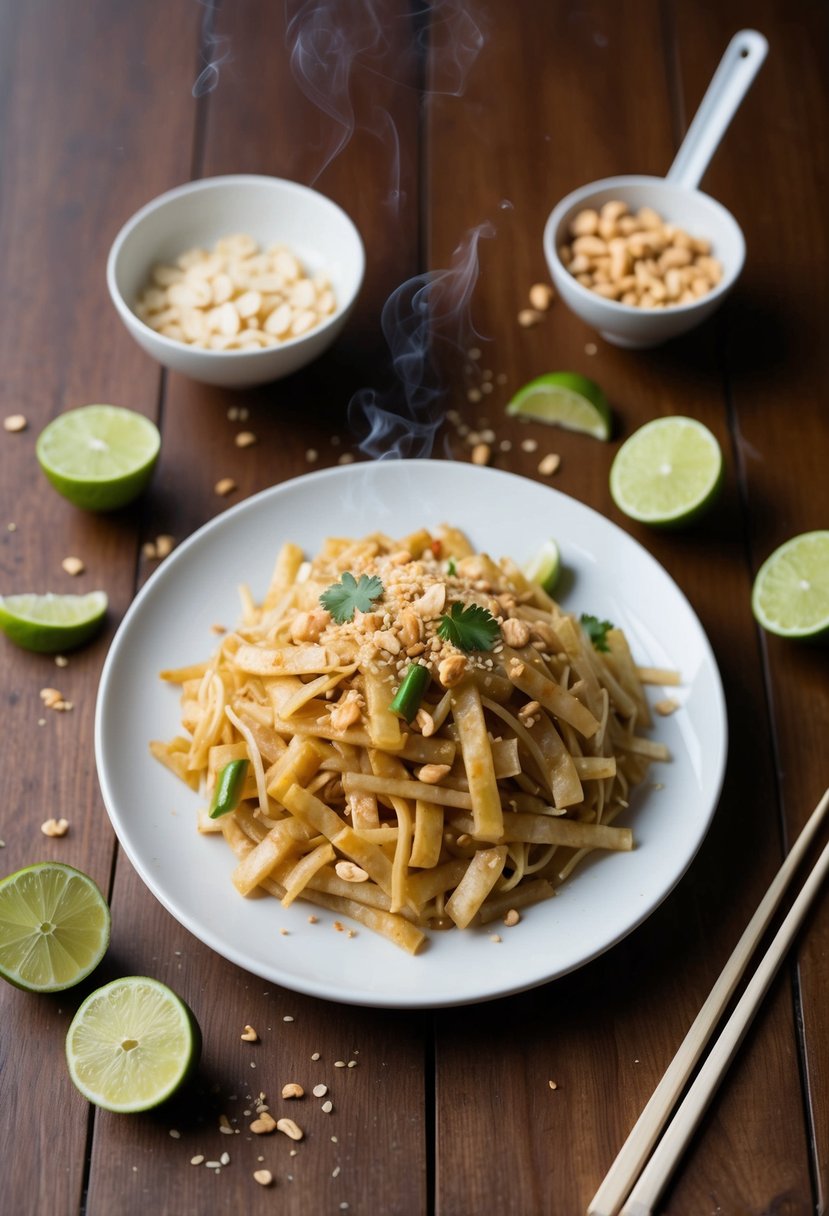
(54, 927)
(132, 1044)
(790, 596)
(49, 623)
(667, 472)
(544, 566)
(100, 457)
(565, 399)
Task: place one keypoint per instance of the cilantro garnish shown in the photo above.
(348, 596)
(451, 568)
(596, 630)
(470, 628)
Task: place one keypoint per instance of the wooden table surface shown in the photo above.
(423, 127)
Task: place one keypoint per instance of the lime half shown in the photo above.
(49, 623)
(565, 399)
(100, 457)
(54, 927)
(791, 591)
(667, 472)
(131, 1044)
(544, 566)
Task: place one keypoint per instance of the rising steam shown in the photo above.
(330, 41)
(215, 50)
(425, 314)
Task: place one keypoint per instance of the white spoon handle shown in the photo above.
(729, 85)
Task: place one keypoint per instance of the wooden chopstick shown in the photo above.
(621, 1178)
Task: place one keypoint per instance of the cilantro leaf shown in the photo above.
(451, 568)
(596, 630)
(470, 628)
(348, 596)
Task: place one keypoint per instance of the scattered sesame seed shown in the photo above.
(334, 1140)
(14, 423)
(311, 455)
(287, 1018)
(284, 933)
(225, 486)
(352, 1063)
(11, 527)
(339, 1063)
(553, 1084)
(528, 317)
(473, 394)
(505, 445)
(243, 413)
(529, 445)
(61, 660)
(495, 937)
(245, 439)
(501, 378)
(315, 1056)
(591, 348)
(486, 387)
(263, 1177)
(327, 1107)
(175, 1134)
(319, 1091)
(346, 458)
(335, 1173)
(225, 1159)
(474, 353)
(233, 413)
(197, 1160)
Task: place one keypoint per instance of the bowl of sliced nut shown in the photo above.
(643, 259)
(236, 281)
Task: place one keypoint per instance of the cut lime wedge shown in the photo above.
(100, 457)
(54, 927)
(544, 566)
(565, 399)
(132, 1044)
(49, 623)
(790, 596)
(667, 472)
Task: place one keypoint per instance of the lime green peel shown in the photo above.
(668, 472)
(100, 457)
(565, 399)
(54, 927)
(51, 623)
(132, 1044)
(790, 596)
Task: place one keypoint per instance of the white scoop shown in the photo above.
(678, 201)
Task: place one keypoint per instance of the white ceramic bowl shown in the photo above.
(697, 213)
(200, 213)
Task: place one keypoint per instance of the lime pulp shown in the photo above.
(132, 1044)
(100, 457)
(667, 472)
(790, 596)
(544, 566)
(51, 623)
(54, 927)
(565, 399)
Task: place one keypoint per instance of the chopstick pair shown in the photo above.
(630, 1178)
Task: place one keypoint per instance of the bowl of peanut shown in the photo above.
(236, 281)
(642, 259)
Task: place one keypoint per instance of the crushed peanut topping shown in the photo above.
(292, 1090)
(224, 486)
(14, 423)
(249, 1035)
(263, 1177)
(73, 566)
(263, 1125)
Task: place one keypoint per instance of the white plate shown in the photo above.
(169, 625)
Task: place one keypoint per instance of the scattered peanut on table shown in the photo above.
(638, 259)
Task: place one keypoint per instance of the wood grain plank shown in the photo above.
(70, 151)
(769, 174)
(620, 121)
(259, 120)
